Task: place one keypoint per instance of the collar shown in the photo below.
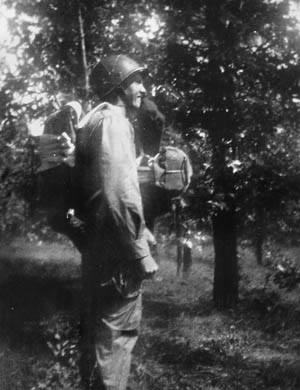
(120, 108)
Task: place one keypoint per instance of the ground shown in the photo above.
(185, 343)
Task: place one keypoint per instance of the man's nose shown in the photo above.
(142, 89)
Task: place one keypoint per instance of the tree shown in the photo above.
(53, 52)
(235, 66)
(239, 63)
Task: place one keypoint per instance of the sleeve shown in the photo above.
(121, 192)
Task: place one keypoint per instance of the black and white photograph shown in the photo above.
(149, 195)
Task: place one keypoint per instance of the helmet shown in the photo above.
(111, 71)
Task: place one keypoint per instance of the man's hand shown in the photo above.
(147, 267)
(150, 237)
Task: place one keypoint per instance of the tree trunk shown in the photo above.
(225, 290)
(259, 235)
(178, 230)
(83, 53)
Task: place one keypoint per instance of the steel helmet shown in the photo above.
(111, 71)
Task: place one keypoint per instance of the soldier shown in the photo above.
(116, 257)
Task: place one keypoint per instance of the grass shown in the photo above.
(184, 344)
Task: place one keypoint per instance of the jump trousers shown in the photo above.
(110, 320)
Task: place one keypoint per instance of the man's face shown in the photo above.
(135, 91)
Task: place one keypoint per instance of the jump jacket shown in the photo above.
(107, 187)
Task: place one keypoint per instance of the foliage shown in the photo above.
(287, 274)
(234, 70)
(14, 171)
(62, 369)
(184, 341)
(283, 270)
